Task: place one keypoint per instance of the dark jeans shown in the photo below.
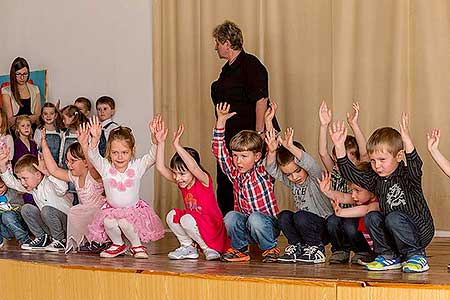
(344, 235)
(394, 234)
(224, 192)
(302, 227)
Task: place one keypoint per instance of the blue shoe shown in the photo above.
(416, 264)
(381, 264)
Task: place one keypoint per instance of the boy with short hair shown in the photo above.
(50, 215)
(106, 108)
(84, 105)
(404, 226)
(306, 228)
(11, 224)
(254, 219)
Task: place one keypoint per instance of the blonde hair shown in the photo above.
(25, 163)
(20, 119)
(385, 139)
(247, 140)
(122, 134)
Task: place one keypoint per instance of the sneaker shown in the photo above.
(416, 264)
(2, 243)
(38, 243)
(381, 264)
(233, 255)
(339, 257)
(184, 252)
(139, 251)
(291, 254)
(211, 254)
(362, 258)
(313, 254)
(55, 246)
(271, 255)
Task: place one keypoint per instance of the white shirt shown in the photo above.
(122, 189)
(50, 191)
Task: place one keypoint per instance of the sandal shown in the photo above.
(139, 251)
(113, 251)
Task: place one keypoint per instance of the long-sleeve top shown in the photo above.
(253, 190)
(400, 191)
(122, 189)
(49, 192)
(307, 196)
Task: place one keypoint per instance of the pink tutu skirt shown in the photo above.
(146, 223)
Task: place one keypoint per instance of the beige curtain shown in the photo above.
(391, 56)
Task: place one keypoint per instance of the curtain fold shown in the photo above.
(391, 56)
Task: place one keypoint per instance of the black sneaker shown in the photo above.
(56, 246)
(291, 254)
(313, 254)
(38, 243)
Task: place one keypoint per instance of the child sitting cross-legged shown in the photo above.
(254, 219)
(404, 225)
(201, 221)
(347, 224)
(306, 228)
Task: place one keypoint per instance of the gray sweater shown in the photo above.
(307, 196)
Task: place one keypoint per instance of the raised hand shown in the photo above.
(325, 183)
(41, 167)
(155, 125)
(352, 118)
(223, 114)
(338, 132)
(95, 128)
(83, 134)
(288, 140)
(271, 140)
(177, 135)
(43, 137)
(433, 138)
(4, 158)
(404, 132)
(270, 112)
(324, 114)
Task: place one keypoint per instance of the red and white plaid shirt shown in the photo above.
(253, 190)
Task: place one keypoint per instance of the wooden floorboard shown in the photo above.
(437, 277)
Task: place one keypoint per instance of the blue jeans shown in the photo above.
(11, 225)
(344, 235)
(257, 228)
(394, 234)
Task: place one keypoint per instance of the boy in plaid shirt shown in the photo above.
(254, 219)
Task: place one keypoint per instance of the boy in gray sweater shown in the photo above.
(305, 228)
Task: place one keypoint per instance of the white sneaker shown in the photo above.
(211, 254)
(55, 246)
(184, 252)
(2, 243)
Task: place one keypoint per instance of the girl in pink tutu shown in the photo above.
(124, 212)
(201, 221)
(87, 182)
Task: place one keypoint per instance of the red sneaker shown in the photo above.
(113, 251)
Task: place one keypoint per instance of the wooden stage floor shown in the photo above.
(437, 277)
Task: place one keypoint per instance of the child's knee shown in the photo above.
(9, 217)
(187, 221)
(169, 217)
(110, 223)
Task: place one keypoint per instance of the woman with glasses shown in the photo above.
(21, 97)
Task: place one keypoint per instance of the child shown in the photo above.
(254, 219)
(72, 119)
(124, 212)
(6, 140)
(50, 120)
(88, 185)
(11, 223)
(106, 108)
(23, 144)
(348, 223)
(202, 220)
(84, 105)
(354, 146)
(404, 226)
(50, 215)
(306, 228)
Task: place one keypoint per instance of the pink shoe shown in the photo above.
(113, 251)
(139, 252)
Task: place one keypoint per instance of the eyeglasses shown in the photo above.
(22, 74)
